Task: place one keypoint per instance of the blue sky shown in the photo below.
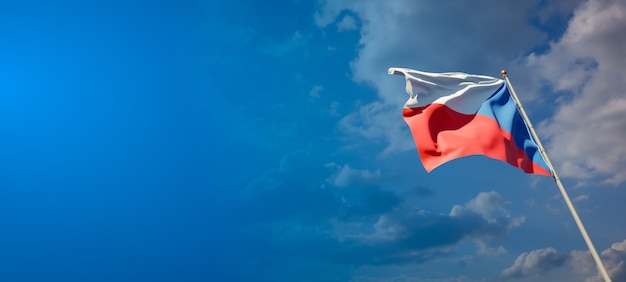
(243, 141)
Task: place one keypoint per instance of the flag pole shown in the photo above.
(543, 153)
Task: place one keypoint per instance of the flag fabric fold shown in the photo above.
(453, 115)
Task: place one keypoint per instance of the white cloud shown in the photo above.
(490, 206)
(484, 204)
(474, 222)
(297, 40)
(586, 134)
(581, 198)
(347, 176)
(535, 263)
(377, 121)
(334, 107)
(347, 23)
(316, 90)
(582, 262)
(614, 259)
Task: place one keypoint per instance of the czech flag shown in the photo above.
(453, 115)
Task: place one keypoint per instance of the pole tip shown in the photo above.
(503, 73)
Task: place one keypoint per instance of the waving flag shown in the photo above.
(453, 115)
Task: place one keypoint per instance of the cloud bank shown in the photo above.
(614, 259)
(586, 132)
(534, 263)
(540, 262)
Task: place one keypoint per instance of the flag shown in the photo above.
(453, 115)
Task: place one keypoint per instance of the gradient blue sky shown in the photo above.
(247, 141)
